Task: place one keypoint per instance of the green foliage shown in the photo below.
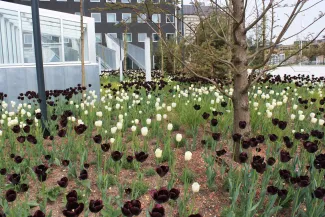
(150, 172)
(139, 188)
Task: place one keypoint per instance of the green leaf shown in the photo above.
(32, 203)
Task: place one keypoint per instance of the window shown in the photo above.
(127, 37)
(97, 17)
(77, 13)
(156, 18)
(142, 18)
(66, 40)
(114, 35)
(111, 17)
(77, 0)
(98, 37)
(61, 0)
(111, 1)
(126, 17)
(94, 0)
(155, 37)
(125, 1)
(169, 36)
(140, 1)
(169, 18)
(142, 37)
(28, 39)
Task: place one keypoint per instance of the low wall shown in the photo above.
(318, 71)
(19, 79)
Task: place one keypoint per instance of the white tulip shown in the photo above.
(164, 116)
(295, 107)
(148, 121)
(301, 117)
(136, 121)
(188, 156)
(120, 117)
(133, 128)
(313, 120)
(119, 125)
(0, 132)
(99, 114)
(174, 104)
(169, 108)
(158, 117)
(98, 123)
(195, 187)
(321, 122)
(144, 131)
(112, 140)
(113, 130)
(170, 126)
(300, 112)
(292, 116)
(312, 115)
(158, 153)
(178, 137)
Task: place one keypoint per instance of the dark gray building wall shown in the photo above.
(70, 6)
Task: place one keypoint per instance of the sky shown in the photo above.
(302, 20)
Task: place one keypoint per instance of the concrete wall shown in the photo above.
(318, 71)
(16, 80)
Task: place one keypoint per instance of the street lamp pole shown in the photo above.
(39, 63)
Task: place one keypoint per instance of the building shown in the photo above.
(110, 22)
(60, 40)
(192, 17)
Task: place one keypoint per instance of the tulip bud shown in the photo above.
(119, 125)
(178, 137)
(188, 156)
(321, 122)
(148, 121)
(98, 123)
(169, 126)
(113, 130)
(158, 153)
(144, 131)
(158, 117)
(195, 187)
(292, 116)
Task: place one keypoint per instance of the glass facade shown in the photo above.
(60, 38)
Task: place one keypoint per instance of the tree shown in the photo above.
(240, 57)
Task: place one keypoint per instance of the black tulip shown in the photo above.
(38, 213)
(285, 156)
(272, 190)
(14, 178)
(21, 139)
(205, 115)
(221, 152)
(236, 137)
(197, 107)
(141, 156)
(216, 136)
(160, 196)
(41, 172)
(273, 137)
(23, 187)
(65, 163)
(243, 157)
(242, 124)
(18, 159)
(105, 147)
(174, 193)
(271, 161)
(131, 208)
(11, 195)
(97, 139)
(214, 122)
(63, 183)
(162, 170)
(83, 175)
(196, 215)
(116, 155)
(3, 171)
(157, 211)
(319, 193)
(282, 194)
(96, 206)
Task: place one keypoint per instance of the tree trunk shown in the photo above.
(239, 59)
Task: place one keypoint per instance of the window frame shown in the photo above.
(95, 1)
(126, 1)
(111, 1)
(100, 17)
(24, 38)
(170, 34)
(172, 17)
(107, 17)
(142, 20)
(159, 18)
(128, 20)
(144, 38)
(153, 38)
(127, 34)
